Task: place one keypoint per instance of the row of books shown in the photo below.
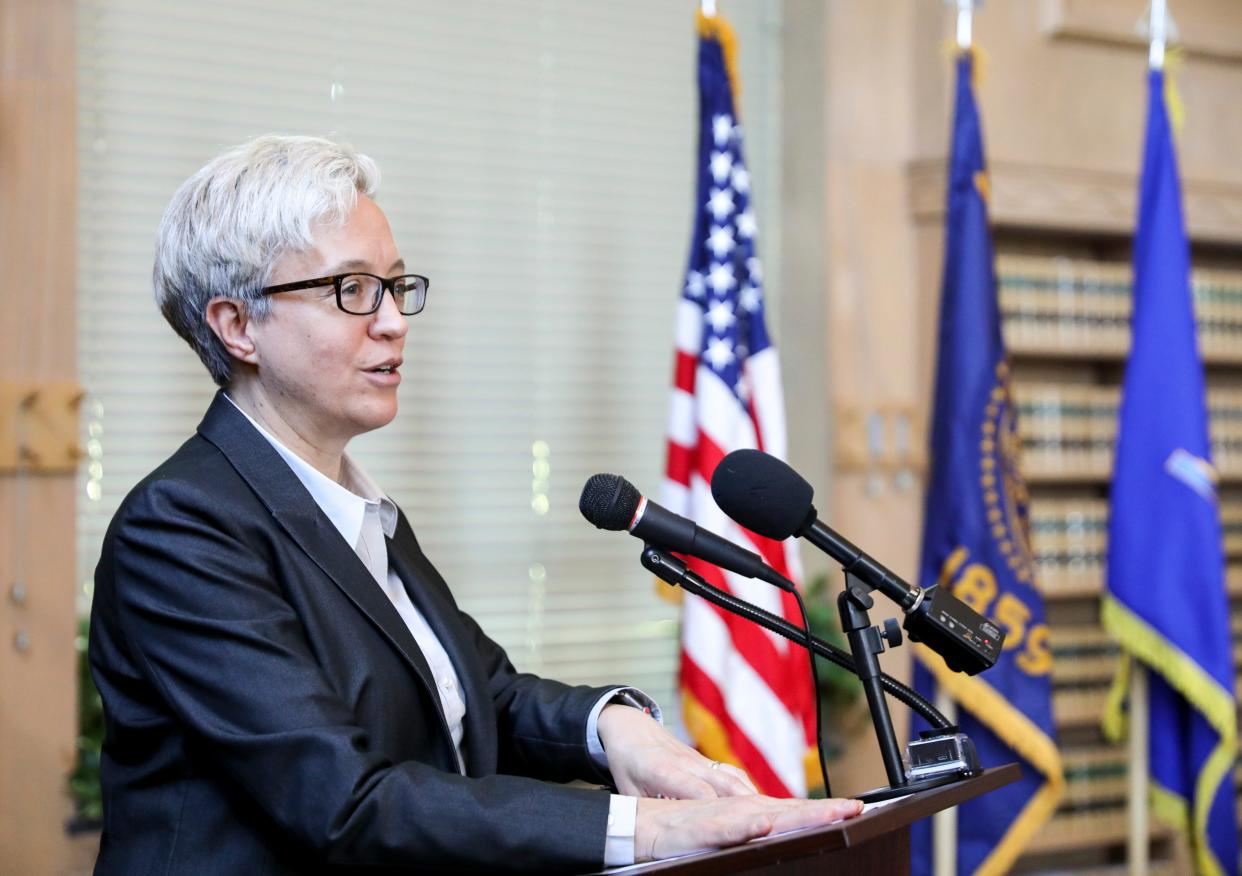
(1068, 430)
(1093, 809)
(1055, 304)
(1069, 542)
(1085, 661)
(1082, 703)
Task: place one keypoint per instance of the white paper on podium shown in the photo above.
(879, 804)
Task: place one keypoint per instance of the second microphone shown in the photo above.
(611, 502)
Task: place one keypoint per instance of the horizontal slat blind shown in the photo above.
(538, 166)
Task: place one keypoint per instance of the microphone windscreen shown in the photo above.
(762, 493)
(609, 501)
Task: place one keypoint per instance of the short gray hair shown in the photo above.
(228, 224)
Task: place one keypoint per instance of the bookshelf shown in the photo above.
(1065, 306)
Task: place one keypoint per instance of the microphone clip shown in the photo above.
(668, 567)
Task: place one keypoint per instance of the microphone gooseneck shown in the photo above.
(675, 572)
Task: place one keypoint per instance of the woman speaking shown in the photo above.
(288, 684)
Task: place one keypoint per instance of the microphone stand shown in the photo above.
(866, 642)
(673, 570)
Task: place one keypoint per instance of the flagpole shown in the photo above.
(1159, 28)
(1138, 850)
(944, 822)
(965, 14)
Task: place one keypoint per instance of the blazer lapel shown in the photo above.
(429, 593)
(294, 509)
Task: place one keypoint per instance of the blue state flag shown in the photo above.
(1165, 600)
(976, 536)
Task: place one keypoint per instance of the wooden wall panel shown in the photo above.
(1211, 28)
(38, 241)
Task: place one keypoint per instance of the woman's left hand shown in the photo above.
(647, 761)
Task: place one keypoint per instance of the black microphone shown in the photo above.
(765, 495)
(611, 502)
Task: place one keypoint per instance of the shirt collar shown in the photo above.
(346, 503)
(355, 479)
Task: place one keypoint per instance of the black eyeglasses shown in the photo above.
(361, 294)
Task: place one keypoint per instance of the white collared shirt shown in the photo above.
(364, 516)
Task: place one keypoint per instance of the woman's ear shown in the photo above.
(231, 323)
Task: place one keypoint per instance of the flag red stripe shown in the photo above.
(708, 457)
(680, 462)
(684, 369)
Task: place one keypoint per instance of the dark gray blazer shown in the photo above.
(268, 711)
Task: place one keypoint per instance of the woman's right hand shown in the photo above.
(667, 828)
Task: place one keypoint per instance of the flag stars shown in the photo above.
(719, 353)
(746, 224)
(729, 289)
(721, 203)
(741, 179)
(721, 241)
(720, 316)
(694, 285)
(720, 278)
(751, 298)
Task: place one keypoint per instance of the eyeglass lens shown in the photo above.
(360, 293)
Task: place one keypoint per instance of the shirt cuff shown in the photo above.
(619, 843)
(629, 696)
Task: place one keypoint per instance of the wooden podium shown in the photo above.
(874, 844)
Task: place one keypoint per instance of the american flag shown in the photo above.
(746, 694)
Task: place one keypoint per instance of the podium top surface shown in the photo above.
(844, 834)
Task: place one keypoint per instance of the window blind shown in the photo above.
(537, 164)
